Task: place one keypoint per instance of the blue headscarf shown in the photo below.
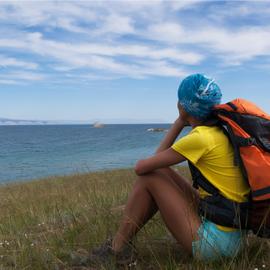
(197, 94)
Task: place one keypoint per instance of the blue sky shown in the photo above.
(122, 61)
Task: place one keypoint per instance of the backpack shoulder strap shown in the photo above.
(236, 142)
(200, 181)
(216, 207)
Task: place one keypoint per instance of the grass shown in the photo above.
(43, 221)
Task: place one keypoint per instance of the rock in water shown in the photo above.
(156, 129)
(98, 125)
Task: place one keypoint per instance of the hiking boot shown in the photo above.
(79, 257)
(104, 255)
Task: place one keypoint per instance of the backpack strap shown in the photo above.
(216, 207)
(200, 181)
(236, 142)
(227, 130)
(232, 105)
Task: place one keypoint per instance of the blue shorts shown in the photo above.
(215, 243)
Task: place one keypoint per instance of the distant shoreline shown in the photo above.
(80, 124)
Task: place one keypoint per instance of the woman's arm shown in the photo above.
(165, 156)
(160, 160)
(172, 134)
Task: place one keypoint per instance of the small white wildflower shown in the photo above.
(25, 235)
(1, 243)
(1, 256)
(47, 249)
(263, 266)
(256, 268)
(32, 244)
(43, 223)
(39, 224)
(133, 264)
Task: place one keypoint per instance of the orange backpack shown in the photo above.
(248, 129)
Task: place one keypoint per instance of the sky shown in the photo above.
(122, 61)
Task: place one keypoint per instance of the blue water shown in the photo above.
(29, 152)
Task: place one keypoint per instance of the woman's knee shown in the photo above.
(149, 178)
(152, 180)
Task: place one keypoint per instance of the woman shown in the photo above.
(159, 188)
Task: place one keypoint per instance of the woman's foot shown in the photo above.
(105, 255)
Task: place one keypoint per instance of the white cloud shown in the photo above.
(232, 46)
(159, 68)
(69, 25)
(45, 13)
(17, 76)
(238, 45)
(126, 38)
(240, 9)
(12, 62)
(116, 24)
(169, 32)
(8, 82)
(12, 43)
(101, 57)
(184, 4)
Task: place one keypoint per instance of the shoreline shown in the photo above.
(60, 176)
(53, 176)
(69, 175)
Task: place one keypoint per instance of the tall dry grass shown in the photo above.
(43, 221)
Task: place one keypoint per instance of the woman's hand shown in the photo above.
(180, 122)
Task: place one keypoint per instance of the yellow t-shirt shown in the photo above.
(209, 149)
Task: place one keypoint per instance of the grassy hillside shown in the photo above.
(43, 221)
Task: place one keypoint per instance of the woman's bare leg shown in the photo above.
(172, 195)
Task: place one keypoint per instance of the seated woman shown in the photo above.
(160, 188)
